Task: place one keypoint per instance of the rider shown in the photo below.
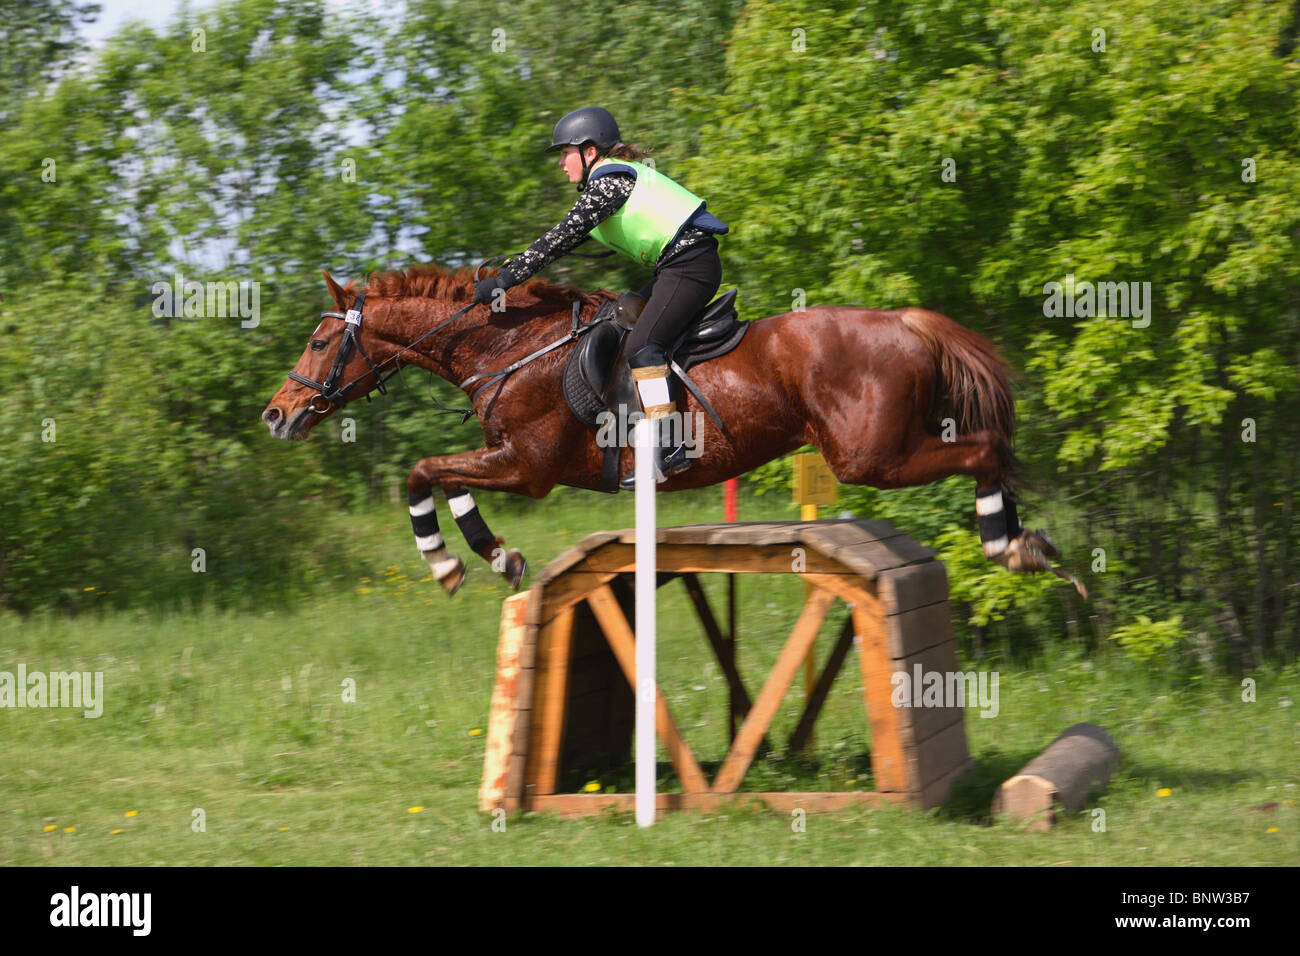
(635, 210)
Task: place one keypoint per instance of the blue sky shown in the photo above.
(117, 12)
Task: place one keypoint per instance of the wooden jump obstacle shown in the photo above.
(1060, 779)
(566, 666)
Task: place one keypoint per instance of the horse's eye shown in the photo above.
(317, 345)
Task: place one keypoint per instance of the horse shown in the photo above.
(890, 397)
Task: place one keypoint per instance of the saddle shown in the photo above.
(597, 377)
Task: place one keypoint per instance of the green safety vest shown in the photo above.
(655, 212)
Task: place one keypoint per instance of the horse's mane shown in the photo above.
(438, 282)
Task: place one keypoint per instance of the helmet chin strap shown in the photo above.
(586, 169)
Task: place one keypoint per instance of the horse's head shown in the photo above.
(333, 368)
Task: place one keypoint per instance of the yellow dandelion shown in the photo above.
(1164, 792)
(1271, 830)
(476, 732)
(365, 590)
(50, 827)
(132, 813)
(282, 829)
(592, 787)
(69, 829)
(415, 809)
(91, 588)
(114, 831)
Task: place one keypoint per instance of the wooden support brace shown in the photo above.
(813, 708)
(622, 641)
(778, 682)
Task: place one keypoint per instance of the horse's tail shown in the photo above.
(973, 384)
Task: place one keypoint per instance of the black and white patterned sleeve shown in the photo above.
(600, 200)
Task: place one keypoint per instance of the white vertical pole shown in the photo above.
(645, 624)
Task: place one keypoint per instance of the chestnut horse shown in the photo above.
(891, 398)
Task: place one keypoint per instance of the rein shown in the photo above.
(335, 396)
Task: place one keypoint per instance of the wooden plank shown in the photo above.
(912, 586)
(733, 558)
(926, 716)
(934, 757)
(556, 636)
(542, 708)
(938, 791)
(887, 753)
(587, 804)
(849, 588)
(871, 558)
(622, 642)
(812, 709)
(569, 590)
(561, 564)
(921, 628)
(774, 690)
(502, 710)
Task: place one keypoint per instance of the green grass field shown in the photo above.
(242, 716)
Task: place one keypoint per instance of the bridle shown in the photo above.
(335, 396)
(329, 391)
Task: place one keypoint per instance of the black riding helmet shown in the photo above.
(590, 124)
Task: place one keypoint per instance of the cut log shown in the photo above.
(1076, 764)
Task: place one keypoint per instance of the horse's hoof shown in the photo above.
(450, 574)
(1020, 555)
(1040, 542)
(516, 567)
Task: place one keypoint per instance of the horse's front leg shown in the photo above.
(495, 469)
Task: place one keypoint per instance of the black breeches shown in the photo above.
(673, 297)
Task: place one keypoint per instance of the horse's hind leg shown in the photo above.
(920, 458)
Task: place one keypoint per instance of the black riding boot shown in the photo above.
(668, 461)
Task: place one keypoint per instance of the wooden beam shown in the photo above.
(849, 588)
(622, 642)
(817, 698)
(555, 642)
(587, 804)
(734, 558)
(888, 763)
(567, 591)
(774, 690)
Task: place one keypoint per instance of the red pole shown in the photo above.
(729, 499)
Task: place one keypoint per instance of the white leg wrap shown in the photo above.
(423, 508)
(430, 542)
(989, 504)
(992, 548)
(461, 505)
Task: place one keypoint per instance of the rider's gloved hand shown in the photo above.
(485, 289)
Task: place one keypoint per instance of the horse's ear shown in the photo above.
(336, 291)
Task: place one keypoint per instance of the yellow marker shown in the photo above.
(813, 482)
